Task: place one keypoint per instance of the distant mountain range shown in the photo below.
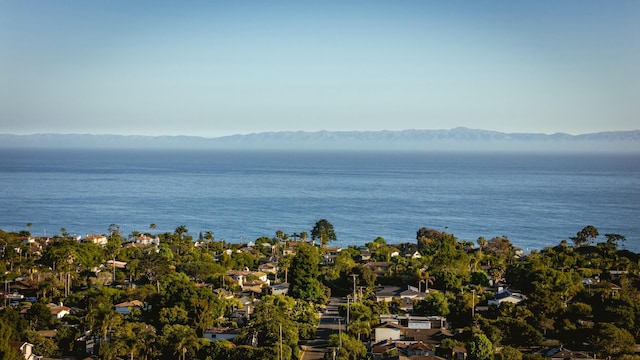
(458, 139)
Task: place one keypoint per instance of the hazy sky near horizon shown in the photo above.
(214, 68)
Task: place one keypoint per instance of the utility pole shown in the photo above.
(280, 341)
(348, 307)
(473, 306)
(354, 286)
(339, 334)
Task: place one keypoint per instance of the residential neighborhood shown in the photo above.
(162, 296)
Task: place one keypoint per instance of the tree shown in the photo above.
(509, 353)
(304, 272)
(133, 339)
(479, 347)
(174, 315)
(614, 238)
(323, 231)
(65, 337)
(609, 340)
(7, 333)
(41, 345)
(273, 316)
(39, 315)
(482, 243)
(351, 349)
(179, 340)
(434, 304)
(585, 236)
(180, 231)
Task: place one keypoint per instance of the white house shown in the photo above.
(507, 296)
(147, 240)
(386, 331)
(96, 239)
(226, 333)
(241, 277)
(59, 311)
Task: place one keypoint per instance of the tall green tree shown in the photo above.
(303, 274)
(323, 231)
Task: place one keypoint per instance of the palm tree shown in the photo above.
(110, 320)
(482, 243)
(180, 339)
(426, 279)
(284, 264)
(180, 231)
(29, 225)
(359, 327)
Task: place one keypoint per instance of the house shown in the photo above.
(428, 336)
(379, 348)
(247, 305)
(612, 288)
(428, 329)
(219, 333)
(147, 240)
(365, 255)
(59, 311)
(404, 350)
(246, 278)
(126, 307)
(378, 267)
(118, 264)
(387, 331)
(412, 293)
(457, 353)
(560, 353)
(421, 348)
(507, 296)
(25, 348)
(280, 289)
(387, 293)
(96, 239)
(269, 268)
(411, 254)
(330, 254)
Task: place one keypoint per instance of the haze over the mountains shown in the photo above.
(458, 139)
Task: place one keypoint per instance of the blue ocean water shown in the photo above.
(534, 199)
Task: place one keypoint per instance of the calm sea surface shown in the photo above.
(536, 200)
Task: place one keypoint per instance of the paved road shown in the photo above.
(315, 349)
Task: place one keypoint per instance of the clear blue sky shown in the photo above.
(217, 68)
